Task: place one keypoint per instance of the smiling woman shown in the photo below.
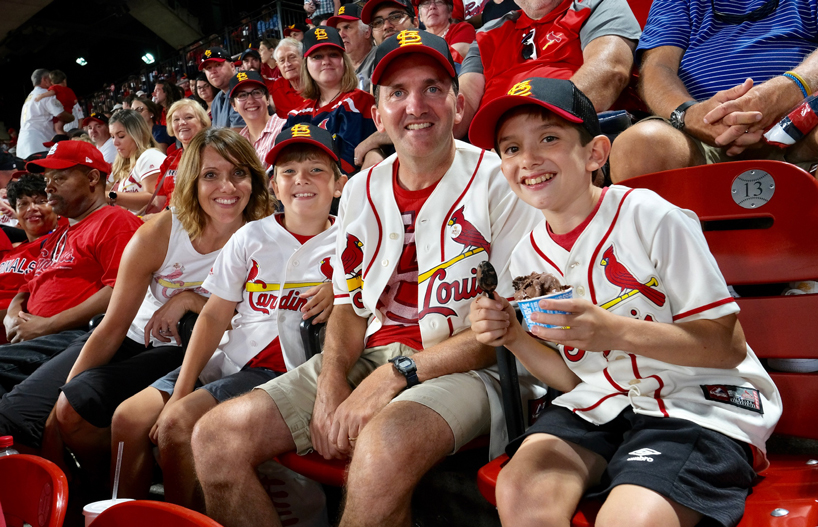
(250, 98)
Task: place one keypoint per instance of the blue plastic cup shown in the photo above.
(532, 305)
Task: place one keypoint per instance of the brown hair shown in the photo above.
(310, 90)
(235, 149)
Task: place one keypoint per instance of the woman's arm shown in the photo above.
(142, 257)
(137, 200)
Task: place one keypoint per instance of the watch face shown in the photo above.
(677, 119)
(403, 363)
(112, 195)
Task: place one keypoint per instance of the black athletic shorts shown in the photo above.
(698, 468)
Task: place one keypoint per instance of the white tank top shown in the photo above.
(184, 269)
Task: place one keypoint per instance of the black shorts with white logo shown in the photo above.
(698, 468)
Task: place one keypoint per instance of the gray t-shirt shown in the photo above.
(222, 113)
(608, 17)
(364, 71)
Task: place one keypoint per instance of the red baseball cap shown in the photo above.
(412, 41)
(67, 154)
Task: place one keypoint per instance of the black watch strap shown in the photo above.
(677, 118)
(411, 379)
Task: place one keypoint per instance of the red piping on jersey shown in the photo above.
(613, 383)
(377, 219)
(657, 394)
(575, 410)
(703, 308)
(542, 255)
(342, 296)
(451, 326)
(451, 210)
(599, 248)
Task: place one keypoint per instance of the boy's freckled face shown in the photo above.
(543, 160)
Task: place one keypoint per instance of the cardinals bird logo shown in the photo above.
(252, 279)
(618, 275)
(326, 268)
(353, 255)
(466, 234)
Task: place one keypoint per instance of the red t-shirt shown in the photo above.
(78, 260)
(270, 75)
(14, 266)
(65, 95)
(460, 32)
(567, 240)
(5, 243)
(399, 300)
(285, 97)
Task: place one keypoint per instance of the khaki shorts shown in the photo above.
(715, 154)
(459, 398)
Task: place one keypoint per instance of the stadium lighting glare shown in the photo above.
(81, 61)
(147, 58)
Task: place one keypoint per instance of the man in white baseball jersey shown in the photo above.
(412, 232)
(35, 120)
(666, 410)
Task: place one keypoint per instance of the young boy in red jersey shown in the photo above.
(666, 410)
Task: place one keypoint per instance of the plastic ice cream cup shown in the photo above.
(532, 305)
(92, 510)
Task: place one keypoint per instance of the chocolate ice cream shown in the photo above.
(536, 284)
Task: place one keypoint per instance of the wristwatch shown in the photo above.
(677, 117)
(111, 197)
(406, 367)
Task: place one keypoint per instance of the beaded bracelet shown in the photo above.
(799, 81)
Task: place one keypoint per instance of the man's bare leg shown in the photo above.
(544, 481)
(634, 506)
(228, 443)
(392, 454)
(652, 146)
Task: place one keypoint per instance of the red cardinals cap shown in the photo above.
(373, 5)
(243, 78)
(321, 36)
(347, 12)
(557, 95)
(214, 55)
(295, 27)
(305, 134)
(99, 117)
(412, 41)
(67, 154)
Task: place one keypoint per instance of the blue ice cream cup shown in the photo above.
(532, 305)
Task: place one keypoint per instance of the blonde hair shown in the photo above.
(310, 90)
(137, 128)
(194, 106)
(238, 151)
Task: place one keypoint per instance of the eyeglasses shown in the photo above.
(255, 94)
(428, 3)
(529, 47)
(753, 16)
(394, 19)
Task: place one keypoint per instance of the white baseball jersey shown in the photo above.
(471, 216)
(645, 258)
(146, 166)
(265, 269)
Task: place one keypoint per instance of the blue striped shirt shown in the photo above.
(720, 55)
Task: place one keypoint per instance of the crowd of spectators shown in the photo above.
(145, 209)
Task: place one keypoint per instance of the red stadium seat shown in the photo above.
(770, 241)
(151, 513)
(640, 9)
(33, 490)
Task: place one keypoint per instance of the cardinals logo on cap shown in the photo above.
(341, 11)
(409, 37)
(301, 130)
(321, 34)
(521, 89)
(241, 76)
(53, 149)
(292, 26)
(208, 53)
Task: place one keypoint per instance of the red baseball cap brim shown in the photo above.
(205, 62)
(245, 83)
(395, 53)
(272, 155)
(88, 119)
(333, 21)
(483, 126)
(321, 45)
